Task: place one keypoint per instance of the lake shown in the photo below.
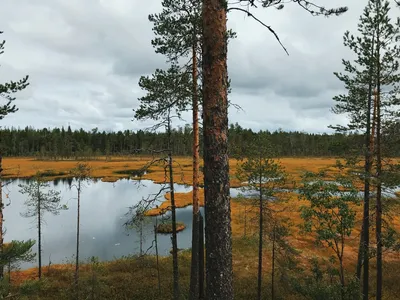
(102, 231)
(103, 213)
(103, 209)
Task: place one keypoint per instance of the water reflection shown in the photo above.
(103, 209)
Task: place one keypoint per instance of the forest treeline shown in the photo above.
(63, 143)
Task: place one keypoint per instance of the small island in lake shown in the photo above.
(167, 227)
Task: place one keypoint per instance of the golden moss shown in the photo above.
(167, 227)
(181, 200)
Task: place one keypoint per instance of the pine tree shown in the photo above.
(283, 254)
(358, 103)
(263, 175)
(387, 101)
(81, 173)
(37, 203)
(330, 214)
(1, 217)
(178, 33)
(375, 67)
(167, 97)
(16, 252)
(219, 281)
(7, 90)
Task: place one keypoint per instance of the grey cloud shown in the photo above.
(299, 75)
(85, 58)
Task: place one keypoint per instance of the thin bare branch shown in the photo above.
(249, 14)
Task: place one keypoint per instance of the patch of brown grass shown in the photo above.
(167, 227)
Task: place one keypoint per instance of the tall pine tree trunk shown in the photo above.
(260, 240)
(360, 254)
(173, 212)
(378, 170)
(273, 264)
(194, 275)
(1, 217)
(363, 256)
(141, 238)
(219, 275)
(39, 231)
(9, 272)
(201, 257)
(157, 258)
(78, 218)
(341, 273)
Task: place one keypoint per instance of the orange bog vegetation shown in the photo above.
(244, 212)
(123, 167)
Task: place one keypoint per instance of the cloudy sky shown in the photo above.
(84, 59)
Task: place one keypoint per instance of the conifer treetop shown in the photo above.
(8, 89)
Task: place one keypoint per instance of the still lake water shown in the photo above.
(103, 213)
(102, 231)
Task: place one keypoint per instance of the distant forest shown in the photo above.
(66, 144)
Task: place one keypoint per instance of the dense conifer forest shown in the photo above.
(63, 143)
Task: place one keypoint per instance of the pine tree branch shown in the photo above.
(249, 14)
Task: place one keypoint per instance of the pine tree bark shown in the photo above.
(218, 236)
(273, 265)
(78, 218)
(173, 213)
(201, 257)
(260, 239)
(1, 217)
(194, 275)
(39, 231)
(157, 258)
(363, 257)
(378, 171)
(360, 255)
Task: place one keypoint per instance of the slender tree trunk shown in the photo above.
(245, 220)
(78, 217)
(273, 265)
(39, 232)
(342, 280)
(219, 275)
(260, 241)
(201, 257)
(373, 130)
(1, 217)
(360, 255)
(194, 275)
(94, 280)
(157, 258)
(141, 238)
(378, 173)
(368, 155)
(9, 272)
(173, 212)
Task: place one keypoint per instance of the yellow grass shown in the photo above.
(113, 169)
